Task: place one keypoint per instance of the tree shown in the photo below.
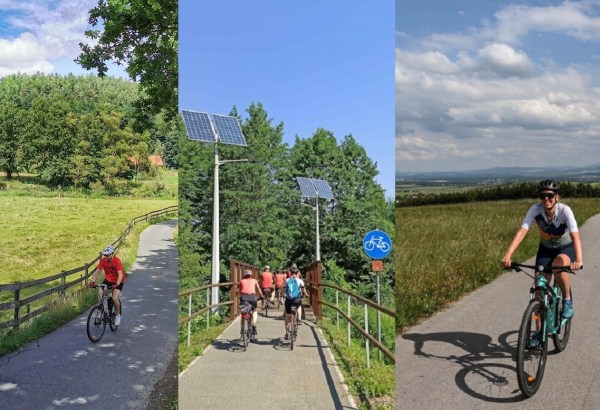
(141, 34)
(10, 124)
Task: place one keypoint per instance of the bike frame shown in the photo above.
(550, 299)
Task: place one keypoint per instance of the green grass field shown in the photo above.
(446, 251)
(48, 234)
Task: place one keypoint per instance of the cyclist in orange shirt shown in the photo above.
(266, 281)
(248, 287)
(280, 278)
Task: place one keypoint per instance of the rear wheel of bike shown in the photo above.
(244, 335)
(266, 306)
(561, 337)
(96, 324)
(113, 314)
(532, 348)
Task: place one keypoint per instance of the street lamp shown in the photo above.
(201, 126)
(318, 189)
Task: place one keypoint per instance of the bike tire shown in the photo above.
(292, 336)
(561, 338)
(113, 313)
(244, 335)
(267, 308)
(531, 360)
(96, 324)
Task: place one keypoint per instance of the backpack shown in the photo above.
(292, 291)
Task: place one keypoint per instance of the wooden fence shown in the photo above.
(20, 303)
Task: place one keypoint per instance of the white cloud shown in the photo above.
(49, 31)
(479, 100)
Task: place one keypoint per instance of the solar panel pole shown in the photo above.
(318, 245)
(216, 257)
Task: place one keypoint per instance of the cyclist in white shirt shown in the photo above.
(560, 244)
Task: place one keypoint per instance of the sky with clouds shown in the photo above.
(481, 84)
(43, 36)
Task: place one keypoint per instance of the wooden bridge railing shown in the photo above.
(19, 302)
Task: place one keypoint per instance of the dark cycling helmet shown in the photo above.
(549, 185)
(294, 269)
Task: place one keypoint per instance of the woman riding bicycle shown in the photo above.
(248, 288)
(560, 244)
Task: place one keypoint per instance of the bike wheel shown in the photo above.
(96, 324)
(292, 335)
(266, 307)
(531, 351)
(113, 313)
(561, 337)
(244, 335)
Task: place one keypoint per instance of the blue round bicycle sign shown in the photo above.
(377, 244)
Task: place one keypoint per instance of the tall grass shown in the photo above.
(446, 251)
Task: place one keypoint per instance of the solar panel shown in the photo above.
(229, 130)
(198, 126)
(306, 187)
(323, 189)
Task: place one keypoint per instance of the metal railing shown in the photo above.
(19, 302)
(315, 285)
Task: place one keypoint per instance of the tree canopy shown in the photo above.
(143, 36)
(77, 131)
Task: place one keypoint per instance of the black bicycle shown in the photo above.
(102, 314)
(246, 333)
(543, 317)
(293, 326)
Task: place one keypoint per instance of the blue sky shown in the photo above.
(327, 64)
(481, 84)
(43, 36)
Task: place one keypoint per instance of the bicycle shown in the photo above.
(246, 333)
(292, 328)
(378, 243)
(542, 317)
(266, 301)
(279, 296)
(102, 314)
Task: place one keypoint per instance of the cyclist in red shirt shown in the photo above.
(248, 287)
(114, 276)
(280, 278)
(266, 283)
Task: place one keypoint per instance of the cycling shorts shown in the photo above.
(267, 292)
(545, 256)
(106, 282)
(250, 299)
(292, 302)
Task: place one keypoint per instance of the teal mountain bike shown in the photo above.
(542, 319)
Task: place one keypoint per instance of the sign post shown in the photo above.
(377, 245)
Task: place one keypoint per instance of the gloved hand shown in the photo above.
(92, 284)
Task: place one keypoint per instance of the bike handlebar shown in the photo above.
(546, 269)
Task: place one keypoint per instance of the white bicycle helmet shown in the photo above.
(109, 250)
(247, 273)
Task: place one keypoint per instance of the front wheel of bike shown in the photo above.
(561, 337)
(532, 348)
(96, 324)
(113, 314)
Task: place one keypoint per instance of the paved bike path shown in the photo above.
(267, 375)
(464, 357)
(65, 370)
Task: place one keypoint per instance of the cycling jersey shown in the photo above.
(111, 269)
(554, 233)
(266, 279)
(279, 279)
(248, 286)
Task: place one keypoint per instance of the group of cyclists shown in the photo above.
(285, 285)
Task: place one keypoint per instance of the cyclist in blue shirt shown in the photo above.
(560, 244)
(294, 289)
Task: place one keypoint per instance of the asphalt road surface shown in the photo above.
(65, 370)
(268, 375)
(464, 357)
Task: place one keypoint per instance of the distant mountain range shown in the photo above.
(507, 174)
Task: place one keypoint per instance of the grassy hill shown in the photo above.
(445, 251)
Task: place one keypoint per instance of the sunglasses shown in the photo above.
(547, 196)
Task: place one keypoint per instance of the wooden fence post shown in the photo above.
(63, 283)
(17, 318)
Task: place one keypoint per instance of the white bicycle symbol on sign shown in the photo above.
(377, 242)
